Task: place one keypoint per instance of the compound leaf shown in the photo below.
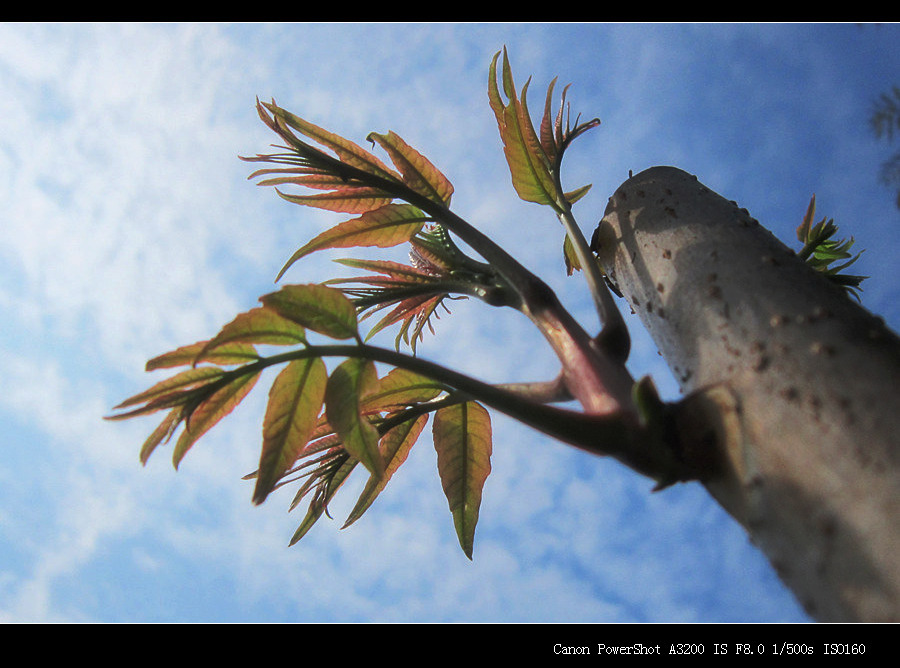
(324, 493)
(346, 150)
(164, 394)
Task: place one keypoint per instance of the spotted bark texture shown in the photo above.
(791, 387)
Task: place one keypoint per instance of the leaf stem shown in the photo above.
(606, 307)
(614, 332)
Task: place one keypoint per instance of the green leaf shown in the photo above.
(395, 447)
(295, 399)
(347, 386)
(316, 307)
(570, 256)
(528, 164)
(820, 250)
(462, 439)
(260, 325)
(418, 172)
(385, 227)
(207, 413)
(574, 195)
(803, 229)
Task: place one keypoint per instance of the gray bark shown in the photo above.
(792, 388)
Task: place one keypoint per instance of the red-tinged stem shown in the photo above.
(610, 434)
(598, 381)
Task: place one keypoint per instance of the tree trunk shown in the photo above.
(792, 388)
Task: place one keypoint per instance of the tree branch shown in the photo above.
(620, 436)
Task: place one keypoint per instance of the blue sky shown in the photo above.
(129, 228)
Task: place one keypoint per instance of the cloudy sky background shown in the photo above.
(128, 228)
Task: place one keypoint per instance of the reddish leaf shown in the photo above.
(395, 447)
(548, 138)
(395, 270)
(416, 310)
(555, 139)
(318, 442)
(346, 150)
(388, 226)
(205, 416)
(162, 433)
(291, 415)
(345, 200)
(177, 385)
(315, 181)
(418, 172)
(235, 353)
(805, 226)
(416, 291)
(325, 492)
(462, 439)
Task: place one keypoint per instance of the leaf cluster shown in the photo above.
(320, 425)
(821, 250)
(535, 156)
(354, 180)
